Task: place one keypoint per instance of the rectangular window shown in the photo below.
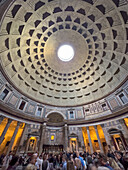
(39, 111)
(22, 105)
(4, 94)
(123, 98)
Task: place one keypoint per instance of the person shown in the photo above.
(81, 159)
(1, 159)
(20, 164)
(81, 155)
(103, 162)
(7, 160)
(120, 158)
(31, 165)
(64, 159)
(13, 163)
(45, 162)
(93, 167)
(114, 164)
(77, 164)
(89, 162)
(39, 162)
(70, 165)
(110, 154)
(51, 160)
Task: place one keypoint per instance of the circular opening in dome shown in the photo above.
(65, 53)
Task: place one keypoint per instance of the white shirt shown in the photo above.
(39, 163)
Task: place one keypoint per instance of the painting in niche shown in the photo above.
(31, 145)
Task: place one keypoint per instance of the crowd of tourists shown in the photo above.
(66, 161)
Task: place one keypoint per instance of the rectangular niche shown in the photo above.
(80, 114)
(113, 103)
(31, 108)
(13, 101)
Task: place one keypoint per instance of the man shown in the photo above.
(39, 162)
(64, 159)
(31, 165)
(103, 162)
(120, 158)
(81, 159)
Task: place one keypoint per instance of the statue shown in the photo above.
(73, 145)
(31, 145)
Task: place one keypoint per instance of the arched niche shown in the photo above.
(118, 139)
(55, 118)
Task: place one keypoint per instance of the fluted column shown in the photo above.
(13, 138)
(66, 137)
(97, 134)
(89, 138)
(5, 130)
(42, 135)
(22, 137)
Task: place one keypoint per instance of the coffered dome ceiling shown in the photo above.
(33, 30)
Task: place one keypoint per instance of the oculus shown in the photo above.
(65, 53)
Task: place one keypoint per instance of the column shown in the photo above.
(85, 141)
(13, 138)
(97, 134)
(82, 139)
(22, 137)
(89, 138)
(42, 135)
(106, 135)
(57, 137)
(5, 130)
(66, 137)
(1, 119)
(27, 144)
(124, 131)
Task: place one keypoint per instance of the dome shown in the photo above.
(31, 33)
(63, 76)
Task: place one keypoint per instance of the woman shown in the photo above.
(77, 164)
